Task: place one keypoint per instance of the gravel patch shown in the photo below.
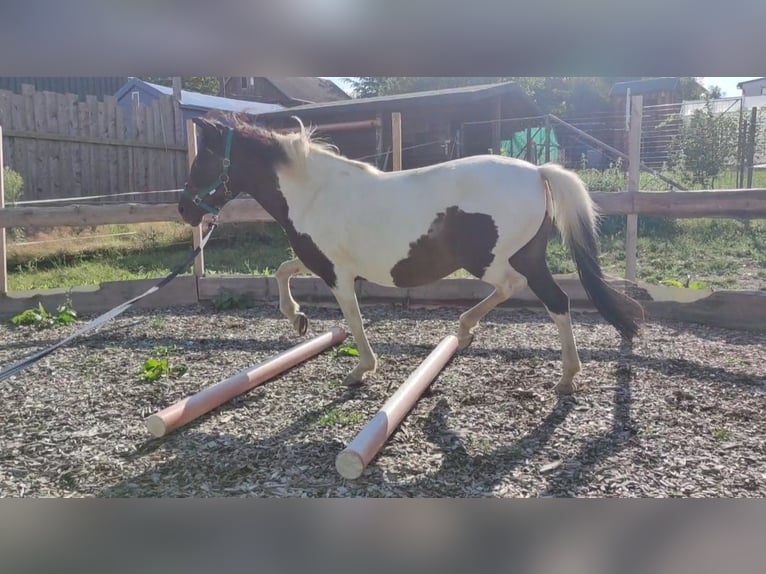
(679, 414)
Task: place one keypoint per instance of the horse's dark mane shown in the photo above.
(246, 126)
(241, 122)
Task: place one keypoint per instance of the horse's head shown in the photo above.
(209, 184)
(232, 160)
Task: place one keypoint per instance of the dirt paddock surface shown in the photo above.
(680, 414)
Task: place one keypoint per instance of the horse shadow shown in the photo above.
(485, 471)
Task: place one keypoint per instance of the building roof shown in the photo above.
(649, 86)
(394, 102)
(309, 90)
(754, 80)
(195, 100)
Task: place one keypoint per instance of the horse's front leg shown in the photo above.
(346, 297)
(287, 305)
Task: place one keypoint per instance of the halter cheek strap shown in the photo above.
(222, 180)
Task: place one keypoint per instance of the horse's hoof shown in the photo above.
(301, 323)
(353, 380)
(565, 389)
(464, 341)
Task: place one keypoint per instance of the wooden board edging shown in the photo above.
(99, 299)
(743, 310)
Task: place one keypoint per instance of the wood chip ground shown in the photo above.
(680, 414)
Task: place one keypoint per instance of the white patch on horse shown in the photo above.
(366, 220)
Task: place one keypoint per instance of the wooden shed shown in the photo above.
(436, 125)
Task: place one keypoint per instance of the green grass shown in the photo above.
(337, 416)
(233, 249)
(720, 253)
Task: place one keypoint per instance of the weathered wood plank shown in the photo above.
(729, 309)
(97, 186)
(56, 188)
(154, 135)
(103, 152)
(32, 135)
(29, 164)
(70, 118)
(746, 203)
(86, 172)
(6, 122)
(41, 172)
(182, 291)
(3, 247)
(123, 160)
(237, 210)
(110, 132)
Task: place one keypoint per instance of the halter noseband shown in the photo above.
(223, 179)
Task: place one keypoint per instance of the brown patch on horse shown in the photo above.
(454, 240)
(530, 262)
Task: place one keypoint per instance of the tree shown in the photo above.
(370, 87)
(715, 92)
(557, 95)
(691, 89)
(705, 146)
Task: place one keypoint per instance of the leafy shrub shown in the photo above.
(13, 185)
(42, 319)
(159, 366)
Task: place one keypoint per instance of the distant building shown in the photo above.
(755, 87)
(437, 125)
(287, 92)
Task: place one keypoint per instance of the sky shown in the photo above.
(727, 84)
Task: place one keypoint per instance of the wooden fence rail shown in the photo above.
(743, 203)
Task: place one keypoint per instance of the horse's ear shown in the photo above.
(301, 142)
(210, 130)
(205, 124)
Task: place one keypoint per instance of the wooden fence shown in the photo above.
(747, 203)
(64, 147)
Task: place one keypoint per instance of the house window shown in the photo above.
(243, 83)
(763, 90)
(135, 97)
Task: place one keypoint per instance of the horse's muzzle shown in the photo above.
(186, 214)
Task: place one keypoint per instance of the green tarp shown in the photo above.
(517, 146)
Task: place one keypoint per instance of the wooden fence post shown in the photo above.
(191, 143)
(3, 253)
(751, 146)
(634, 172)
(547, 138)
(396, 139)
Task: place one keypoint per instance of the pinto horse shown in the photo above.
(345, 219)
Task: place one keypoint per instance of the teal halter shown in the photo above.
(223, 179)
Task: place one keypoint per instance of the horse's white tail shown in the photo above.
(574, 212)
(576, 217)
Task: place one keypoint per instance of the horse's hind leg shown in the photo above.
(470, 319)
(287, 305)
(530, 262)
(557, 304)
